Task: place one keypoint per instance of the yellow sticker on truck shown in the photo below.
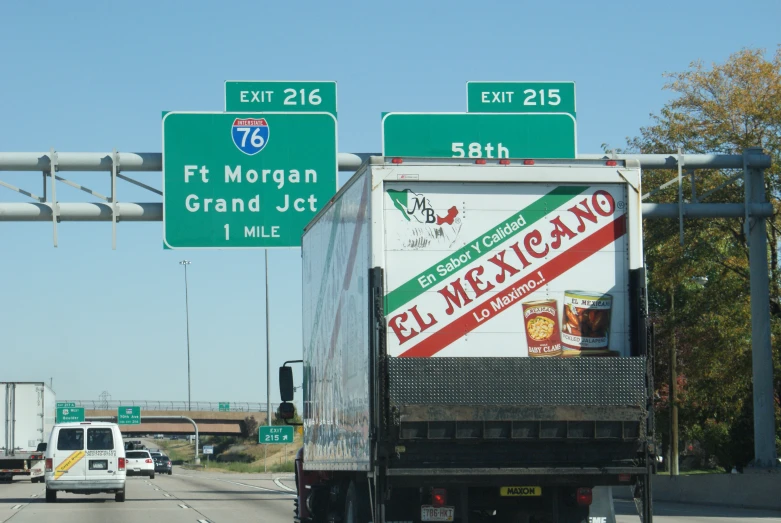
(521, 491)
(68, 463)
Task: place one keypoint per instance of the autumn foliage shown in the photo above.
(724, 108)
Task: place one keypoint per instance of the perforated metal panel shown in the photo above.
(528, 381)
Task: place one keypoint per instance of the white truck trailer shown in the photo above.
(474, 343)
(28, 413)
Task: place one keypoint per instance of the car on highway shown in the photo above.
(140, 463)
(163, 464)
(155, 453)
(85, 457)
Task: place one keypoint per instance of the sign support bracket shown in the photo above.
(114, 208)
(52, 173)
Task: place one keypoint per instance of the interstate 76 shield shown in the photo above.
(250, 135)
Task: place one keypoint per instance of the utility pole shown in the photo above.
(673, 391)
(187, 315)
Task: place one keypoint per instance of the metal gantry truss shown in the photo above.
(754, 209)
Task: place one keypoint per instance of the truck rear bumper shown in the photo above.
(86, 486)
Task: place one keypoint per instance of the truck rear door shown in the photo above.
(101, 453)
(68, 455)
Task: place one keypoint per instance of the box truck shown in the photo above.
(474, 343)
(27, 411)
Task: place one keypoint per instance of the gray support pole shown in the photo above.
(761, 351)
(268, 357)
(153, 211)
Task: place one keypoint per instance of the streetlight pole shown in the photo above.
(187, 315)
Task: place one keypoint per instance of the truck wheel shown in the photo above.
(51, 496)
(356, 507)
(119, 497)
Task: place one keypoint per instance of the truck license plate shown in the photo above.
(429, 513)
(521, 491)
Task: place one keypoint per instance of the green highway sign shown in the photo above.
(66, 414)
(245, 180)
(479, 135)
(275, 434)
(65, 404)
(282, 96)
(520, 97)
(225, 407)
(129, 416)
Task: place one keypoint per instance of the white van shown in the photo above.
(85, 458)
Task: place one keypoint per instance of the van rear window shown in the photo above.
(70, 439)
(100, 439)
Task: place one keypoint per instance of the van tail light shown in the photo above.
(121, 464)
(584, 497)
(438, 497)
(49, 467)
(147, 460)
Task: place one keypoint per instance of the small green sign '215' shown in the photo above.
(521, 97)
(275, 434)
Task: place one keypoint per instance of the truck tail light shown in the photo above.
(397, 161)
(504, 162)
(528, 162)
(49, 467)
(481, 161)
(584, 496)
(121, 464)
(611, 163)
(624, 478)
(438, 497)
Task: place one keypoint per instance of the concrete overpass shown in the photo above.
(209, 423)
(212, 418)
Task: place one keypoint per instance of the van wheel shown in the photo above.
(152, 475)
(51, 496)
(119, 497)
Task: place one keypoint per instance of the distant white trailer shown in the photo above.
(28, 413)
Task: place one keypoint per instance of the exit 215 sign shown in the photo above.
(275, 434)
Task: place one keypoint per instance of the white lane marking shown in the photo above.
(252, 486)
(280, 485)
(33, 495)
(182, 505)
(16, 507)
(167, 495)
(157, 488)
(202, 521)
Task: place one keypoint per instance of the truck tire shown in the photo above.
(356, 506)
(51, 496)
(152, 475)
(119, 497)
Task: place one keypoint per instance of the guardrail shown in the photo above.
(233, 406)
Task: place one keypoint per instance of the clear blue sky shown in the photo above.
(91, 76)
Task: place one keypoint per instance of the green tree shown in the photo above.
(723, 109)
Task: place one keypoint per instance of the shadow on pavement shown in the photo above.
(663, 508)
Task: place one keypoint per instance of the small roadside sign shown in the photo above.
(129, 416)
(275, 434)
(68, 414)
(225, 407)
(208, 449)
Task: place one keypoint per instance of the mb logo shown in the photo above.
(418, 207)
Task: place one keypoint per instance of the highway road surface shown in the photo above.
(203, 496)
(184, 497)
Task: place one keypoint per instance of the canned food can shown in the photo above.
(541, 322)
(586, 321)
